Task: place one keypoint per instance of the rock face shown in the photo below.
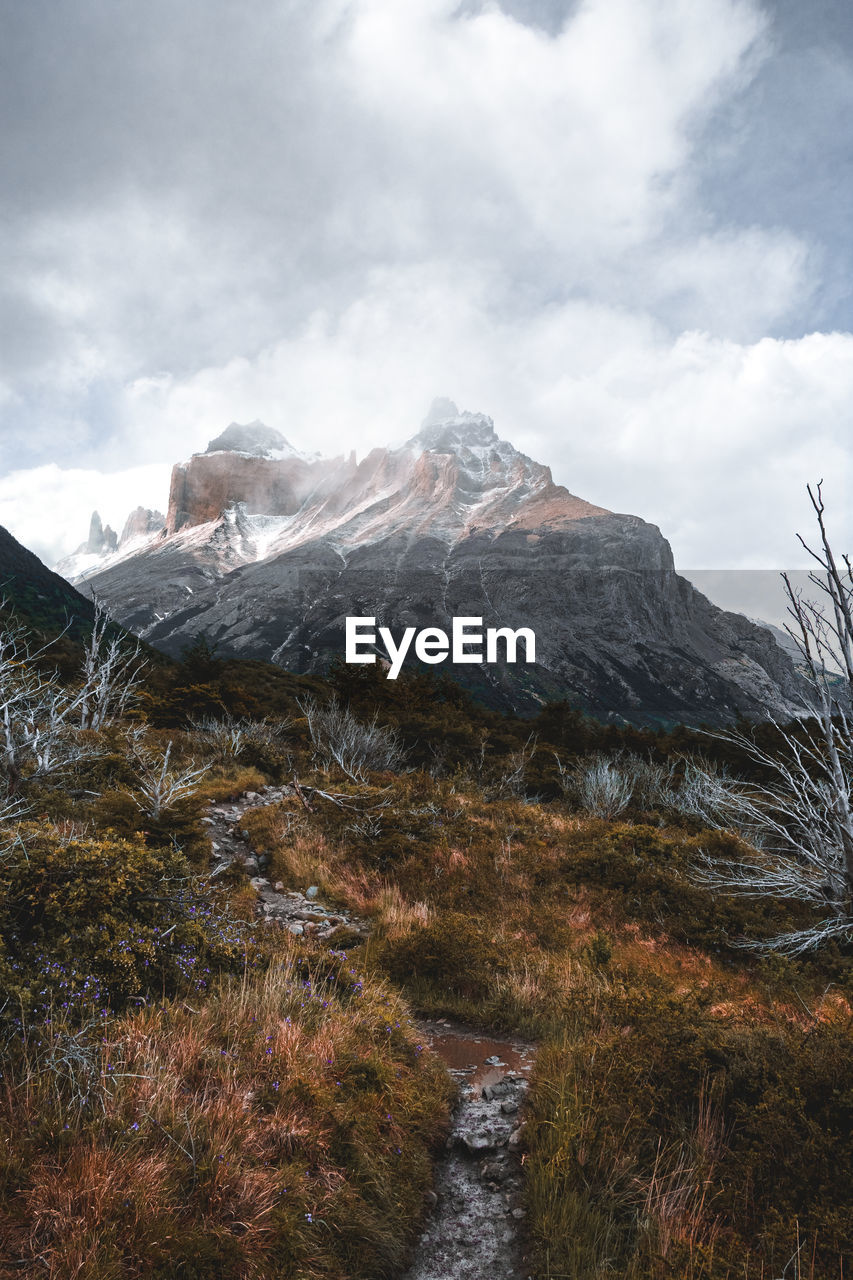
(266, 552)
(140, 523)
(101, 540)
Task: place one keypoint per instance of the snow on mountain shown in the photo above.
(265, 550)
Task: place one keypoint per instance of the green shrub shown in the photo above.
(97, 922)
(455, 953)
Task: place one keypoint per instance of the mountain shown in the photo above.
(265, 551)
(103, 545)
(45, 602)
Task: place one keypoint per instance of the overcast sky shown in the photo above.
(619, 227)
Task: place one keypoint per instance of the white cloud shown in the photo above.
(326, 215)
(712, 439)
(48, 508)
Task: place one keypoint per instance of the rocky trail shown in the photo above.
(474, 1231)
(300, 913)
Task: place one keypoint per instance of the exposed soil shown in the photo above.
(475, 1231)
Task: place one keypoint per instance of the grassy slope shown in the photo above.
(281, 1126)
(678, 1075)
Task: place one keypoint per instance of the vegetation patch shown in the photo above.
(284, 1125)
(671, 1138)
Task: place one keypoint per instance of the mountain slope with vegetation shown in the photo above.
(191, 1089)
(42, 599)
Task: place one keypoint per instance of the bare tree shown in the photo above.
(161, 785)
(356, 747)
(37, 716)
(800, 822)
(112, 672)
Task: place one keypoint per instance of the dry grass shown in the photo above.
(568, 928)
(284, 1127)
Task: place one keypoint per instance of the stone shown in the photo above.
(296, 929)
(477, 1144)
(311, 892)
(494, 1171)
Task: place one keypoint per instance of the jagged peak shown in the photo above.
(141, 522)
(101, 537)
(447, 428)
(254, 438)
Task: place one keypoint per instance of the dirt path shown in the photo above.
(474, 1231)
(299, 912)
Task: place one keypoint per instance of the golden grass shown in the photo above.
(283, 1127)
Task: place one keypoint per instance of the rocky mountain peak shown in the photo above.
(254, 438)
(100, 538)
(446, 429)
(140, 523)
(268, 551)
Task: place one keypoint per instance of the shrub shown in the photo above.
(100, 921)
(358, 748)
(598, 786)
(456, 954)
(668, 1142)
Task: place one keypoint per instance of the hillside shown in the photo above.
(42, 599)
(232, 941)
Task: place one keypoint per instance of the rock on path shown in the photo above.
(299, 912)
(474, 1232)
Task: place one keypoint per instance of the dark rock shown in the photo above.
(455, 523)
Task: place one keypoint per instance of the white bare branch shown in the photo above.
(161, 786)
(357, 748)
(38, 717)
(800, 821)
(112, 672)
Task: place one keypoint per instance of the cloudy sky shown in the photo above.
(620, 227)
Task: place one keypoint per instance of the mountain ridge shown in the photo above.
(267, 555)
